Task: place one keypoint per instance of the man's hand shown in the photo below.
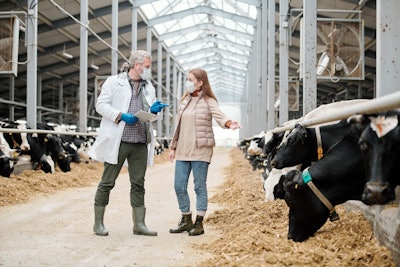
(157, 107)
(129, 118)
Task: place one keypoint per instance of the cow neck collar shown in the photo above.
(333, 216)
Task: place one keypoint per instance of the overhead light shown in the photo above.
(93, 66)
(66, 55)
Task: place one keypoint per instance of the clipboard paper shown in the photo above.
(144, 116)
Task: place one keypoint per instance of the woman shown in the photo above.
(192, 146)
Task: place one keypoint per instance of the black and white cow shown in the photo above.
(10, 155)
(300, 156)
(339, 176)
(301, 145)
(39, 155)
(54, 148)
(16, 141)
(70, 143)
(6, 164)
(253, 148)
(380, 145)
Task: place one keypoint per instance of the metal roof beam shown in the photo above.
(227, 69)
(206, 26)
(228, 86)
(201, 10)
(137, 3)
(100, 12)
(229, 72)
(256, 3)
(210, 39)
(231, 82)
(213, 50)
(211, 59)
(217, 76)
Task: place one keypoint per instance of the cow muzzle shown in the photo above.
(377, 193)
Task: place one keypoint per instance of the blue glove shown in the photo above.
(157, 107)
(129, 118)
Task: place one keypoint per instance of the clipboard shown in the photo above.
(144, 116)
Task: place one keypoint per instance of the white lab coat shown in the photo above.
(114, 98)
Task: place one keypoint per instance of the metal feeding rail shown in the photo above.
(376, 105)
(8, 130)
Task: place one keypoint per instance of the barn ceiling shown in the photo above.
(215, 35)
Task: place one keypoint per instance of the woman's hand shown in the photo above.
(171, 155)
(235, 125)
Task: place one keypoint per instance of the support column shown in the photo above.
(83, 70)
(173, 100)
(61, 100)
(310, 56)
(167, 92)
(39, 97)
(114, 38)
(283, 62)
(148, 40)
(387, 47)
(134, 27)
(159, 84)
(271, 65)
(31, 76)
(264, 62)
(11, 109)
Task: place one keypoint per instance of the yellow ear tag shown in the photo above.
(320, 152)
(296, 186)
(46, 139)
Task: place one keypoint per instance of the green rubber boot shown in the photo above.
(139, 226)
(98, 227)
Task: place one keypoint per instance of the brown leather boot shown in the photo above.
(185, 224)
(198, 227)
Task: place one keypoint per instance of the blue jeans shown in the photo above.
(182, 172)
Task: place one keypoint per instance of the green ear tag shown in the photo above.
(306, 176)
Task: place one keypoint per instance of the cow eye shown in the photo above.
(363, 145)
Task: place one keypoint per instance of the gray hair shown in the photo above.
(136, 57)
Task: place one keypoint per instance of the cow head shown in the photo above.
(306, 212)
(72, 151)
(6, 165)
(57, 152)
(45, 164)
(380, 145)
(293, 149)
(271, 143)
(279, 191)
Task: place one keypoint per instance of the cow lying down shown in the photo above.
(339, 176)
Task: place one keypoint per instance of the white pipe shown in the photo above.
(7, 130)
(381, 104)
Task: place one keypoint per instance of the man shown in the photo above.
(122, 136)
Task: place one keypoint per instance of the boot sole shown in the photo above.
(201, 233)
(180, 232)
(140, 233)
(101, 234)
